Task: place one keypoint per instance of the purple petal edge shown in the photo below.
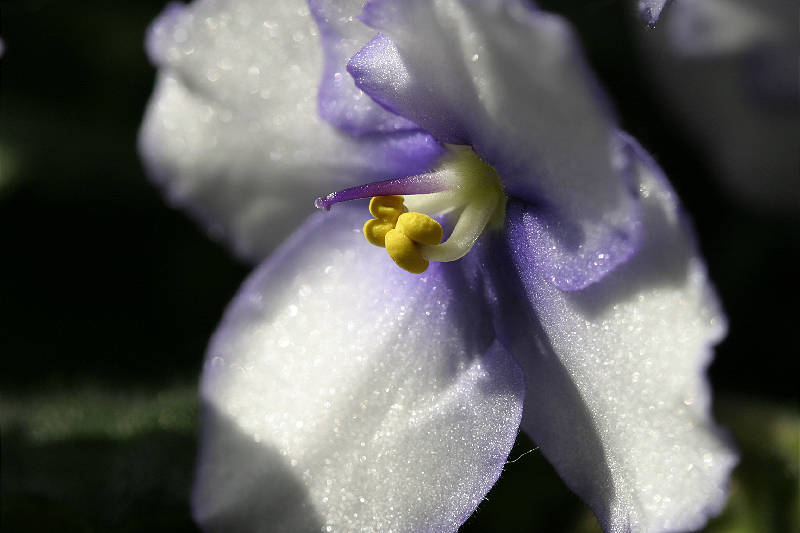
(339, 101)
(573, 258)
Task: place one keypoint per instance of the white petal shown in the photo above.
(617, 396)
(232, 130)
(343, 392)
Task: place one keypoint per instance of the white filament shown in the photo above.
(470, 226)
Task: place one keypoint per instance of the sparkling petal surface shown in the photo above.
(340, 102)
(617, 396)
(232, 130)
(509, 81)
(342, 392)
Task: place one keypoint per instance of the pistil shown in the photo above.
(462, 186)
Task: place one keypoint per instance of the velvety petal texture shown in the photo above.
(232, 131)
(617, 395)
(341, 392)
(510, 81)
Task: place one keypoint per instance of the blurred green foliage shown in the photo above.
(97, 459)
(109, 297)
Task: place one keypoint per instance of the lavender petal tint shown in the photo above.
(340, 102)
(342, 392)
(571, 267)
(419, 184)
(550, 138)
(617, 397)
(243, 149)
(438, 111)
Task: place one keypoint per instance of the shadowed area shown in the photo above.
(264, 497)
(97, 484)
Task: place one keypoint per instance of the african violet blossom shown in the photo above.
(342, 393)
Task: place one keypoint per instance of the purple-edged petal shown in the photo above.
(617, 395)
(340, 102)
(510, 82)
(232, 131)
(571, 258)
(341, 392)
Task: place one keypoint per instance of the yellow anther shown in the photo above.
(400, 232)
(420, 228)
(375, 231)
(404, 252)
(386, 207)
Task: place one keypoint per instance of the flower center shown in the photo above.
(462, 190)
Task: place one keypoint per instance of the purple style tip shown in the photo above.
(420, 184)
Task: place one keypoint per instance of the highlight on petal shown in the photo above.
(617, 396)
(232, 131)
(342, 392)
(510, 81)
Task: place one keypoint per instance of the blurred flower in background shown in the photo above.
(109, 298)
(729, 69)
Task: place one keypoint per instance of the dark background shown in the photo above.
(108, 297)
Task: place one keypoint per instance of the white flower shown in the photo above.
(343, 394)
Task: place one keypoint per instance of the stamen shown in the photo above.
(469, 227)
(386, 210)
(420, 228)
(405, 253)
(462, 186)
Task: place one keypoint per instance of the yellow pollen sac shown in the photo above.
(420, 228)
(404, 252)
(385, 209)
(375, 231)
(401, 232)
